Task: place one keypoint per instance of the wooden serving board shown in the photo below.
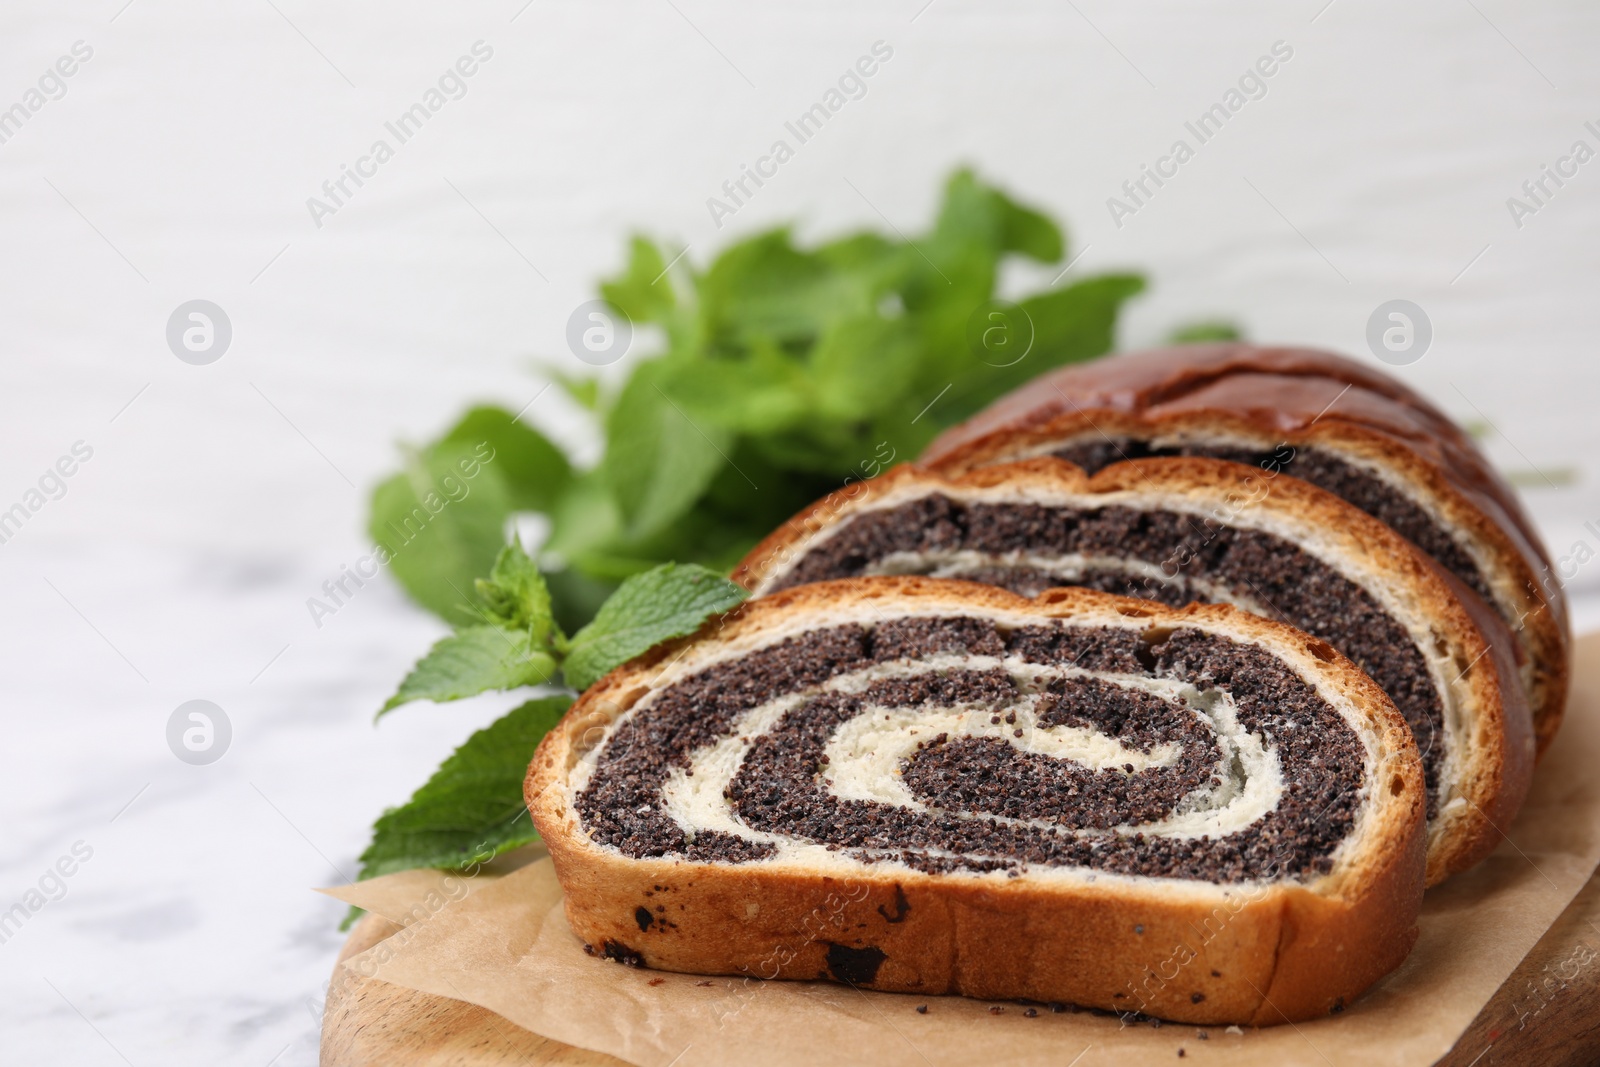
(1546, 1013)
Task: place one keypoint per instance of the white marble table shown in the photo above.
(176, 564)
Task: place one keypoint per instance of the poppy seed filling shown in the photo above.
(1143, 754)
(1165, 556)
(1322, 469)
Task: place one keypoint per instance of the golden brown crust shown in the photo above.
(1302, 397)
(1178, 950)
(1497, 763)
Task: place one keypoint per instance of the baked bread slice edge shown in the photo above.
(1487, 720)
(1173, 948)
(1277, 400)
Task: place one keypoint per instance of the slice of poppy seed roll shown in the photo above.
(931, 786)
(1178, 530)
(1346, 427)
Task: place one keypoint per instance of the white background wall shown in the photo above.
(178, 164)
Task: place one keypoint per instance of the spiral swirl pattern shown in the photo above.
(953, 743)
(1154, 554)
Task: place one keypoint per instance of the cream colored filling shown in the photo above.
(1069, 568)
(819, 858)
(866, 754)
(1327, 546)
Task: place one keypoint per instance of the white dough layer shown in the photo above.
(866, 754)
(1070, 568)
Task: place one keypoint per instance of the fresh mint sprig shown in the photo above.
(516, 641)
(783, 368)
(649, 608)
(472, 810)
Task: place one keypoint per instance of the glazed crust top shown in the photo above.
(1283, 390)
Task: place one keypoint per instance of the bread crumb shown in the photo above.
(1234, 1030)
(922, 1009)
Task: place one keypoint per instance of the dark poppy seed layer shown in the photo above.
(984, 804)
(1170, 557)
(1322, 469)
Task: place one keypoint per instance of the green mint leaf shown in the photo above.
(765, 288)
(585, 392)
(1070, 325)
(877, 259)
(643, 291)
(535, 472)
(670, 601)
(1205, 330)
(1076, 322)
(576, 596)
(1029, 232)
(472, 809)
(443, 518)
(474, 660)
(861, 365)
(974, 212)
(766, 292)
(658, 459)
(439, 524)
(781, 364)
(517, 644)
(765, 393)
(515, 596)
(586, 518)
